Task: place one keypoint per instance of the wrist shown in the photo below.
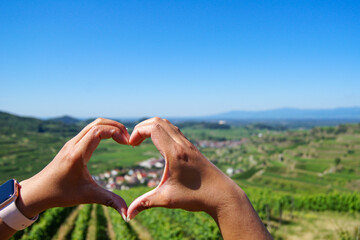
(231, 199)
(14, 213)
(28, 201)
(236, 216)
(222, 193)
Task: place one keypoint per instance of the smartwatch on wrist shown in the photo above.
(9, 212)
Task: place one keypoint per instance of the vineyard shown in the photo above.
(304, 184)
(97, 222)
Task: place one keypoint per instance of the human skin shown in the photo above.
(66, 181)
(193, 183)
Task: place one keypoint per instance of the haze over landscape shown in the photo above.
(159, 58)
(351, 114)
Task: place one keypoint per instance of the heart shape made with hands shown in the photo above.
(187, 181)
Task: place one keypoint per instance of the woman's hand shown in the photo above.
(189, 180)
(193, 183)
(66, 181)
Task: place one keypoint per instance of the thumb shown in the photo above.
(110, 199)
(155, 198)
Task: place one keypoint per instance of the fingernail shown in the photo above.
(125, 139)
(123, 216)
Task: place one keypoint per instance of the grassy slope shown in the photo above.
(312, 225)
(22, 155)
(27, 145)
(308, 160)
(308, 166)
(308, 157)
(110, 155)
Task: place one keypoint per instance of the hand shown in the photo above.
(66, 181)
(193, 183)
(188, 178)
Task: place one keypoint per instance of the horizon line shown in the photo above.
(176, 117)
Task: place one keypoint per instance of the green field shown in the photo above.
(111, 155)
(311, 175)
(286, 216)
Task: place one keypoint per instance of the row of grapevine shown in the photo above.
(159, 225)
(178, 224)
(82, 223)
(101, 223)
(46, 226)
(164, 223)
(174, 223)
(122, 229)
(342, 202)
(263, 200)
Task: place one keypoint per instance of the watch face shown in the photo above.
(7, 190)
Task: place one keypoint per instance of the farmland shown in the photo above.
(304, 183)
(285, 215)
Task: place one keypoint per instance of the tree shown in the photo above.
(337, 161)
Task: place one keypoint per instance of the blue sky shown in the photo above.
(177, 58)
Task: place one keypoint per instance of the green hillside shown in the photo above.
(304, 184)
(29, 144)
(321, 159)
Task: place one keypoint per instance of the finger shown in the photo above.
(92, 138)
(140, 133)
(100, 121)
(145, 131)
(154, 198)
(161, 139)
(172, 130)
(110, 199)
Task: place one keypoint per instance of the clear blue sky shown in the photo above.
(177, 58)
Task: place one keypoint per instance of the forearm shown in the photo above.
(239, 220)
(5, 231)
(235, 214)
(229, 205)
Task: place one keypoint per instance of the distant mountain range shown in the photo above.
(66, 119)
(291, 113)
(330, 116)
(10, 123)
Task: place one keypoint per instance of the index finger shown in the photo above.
(143, 131)
(91, 140)
(152, 129)
(99, 121)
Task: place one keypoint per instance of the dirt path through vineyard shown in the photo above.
(110, 227)
(91, 232)
(68, 225)
(325, 225)
(140, 230)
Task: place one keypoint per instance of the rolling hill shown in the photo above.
(292, 113)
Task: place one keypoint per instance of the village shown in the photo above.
(146, 173)
(149, 172)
